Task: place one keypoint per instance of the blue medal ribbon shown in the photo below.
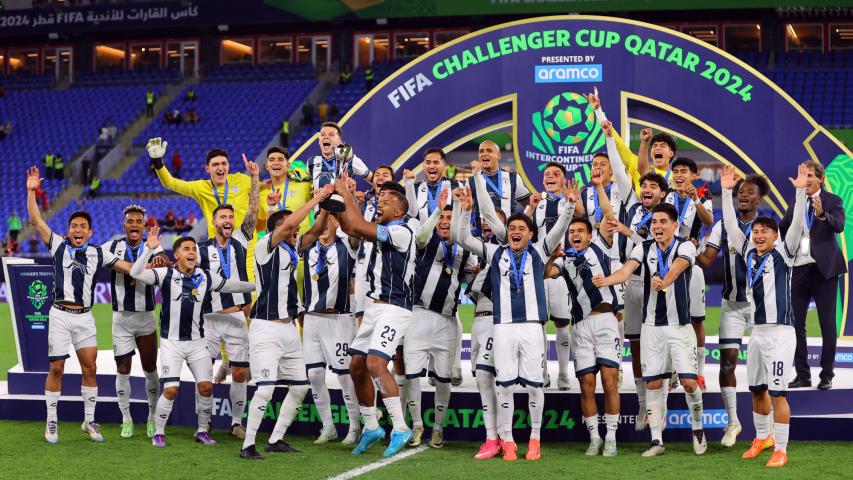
(294, 259)
(330, 167)
(224, 258)
(663, 259)
(196, 279)
(599, 215)
(499, 188)
(682, 211)
(574, 253)
(750, 263)
(517, 270)
(224, 200)
(321, 258)
(746, 227)
(131, 253)
(644, 220)
(73, 250)
(449, 255)
(551, 196)
(283, 202)
(810, 215)
(432, 200)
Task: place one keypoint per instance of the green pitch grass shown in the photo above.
(103, 319)
(28, 456)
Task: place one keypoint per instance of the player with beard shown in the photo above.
(423, 196)
(71, 324)
(225, 314)
(506, 189)
(735, 309)
(322, 168)
(184, 288)
(134, 325)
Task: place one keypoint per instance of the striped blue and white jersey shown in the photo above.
(181, 315)
(228, 261)
(392, 263)
(671, 307)
(74, 270)
(518, 284)
(506, 189)
(480, 288)
(323, 171)
(128, 294)
(578, 268)
(328, 268)
(589, 197)
(275, 281)
(639, 220)
(368, 211)
(734, 265)
(689, 224)
(546, 213)
(440, 269)
(425, 199)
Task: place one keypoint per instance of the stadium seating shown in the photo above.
(27, 81)
(246, 72)
(109, 77)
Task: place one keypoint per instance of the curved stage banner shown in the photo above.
(530, 76)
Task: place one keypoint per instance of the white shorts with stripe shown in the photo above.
(230, 329)
(173, 355)
(734, 322)
(434, 336)
(482, 343)
(558, 300)
(66, 329)
(668, 348)
(770, 358)
(275, 353)
(127, 326)
(326, 339)
(519, 354)
(632, 313)
(595, 343)
(382, 329)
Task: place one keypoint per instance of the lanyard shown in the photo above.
(682, 211)
(666, 177)
(643, 221)
(321, 258)
(224, 257)
(330, 167)
(283, 202)
(132, 253)
(810, 215)
(551, 196)
(499, 189)
(598, 213)
(449, 255)
(73, 250)
(195, 278)
(663, 259)
(224, 200)
(517, 270)
(432, 199)
(293, 258)
(394, 222)
(574, 253)
(747, 228)
(750, 259)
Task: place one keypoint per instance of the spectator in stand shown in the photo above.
(112, 131)
(192, 116)
(15, 225)
(151, 222)
(191, 220)
(308, 113)
(94, 186)
(190, 96)
(49, 161)
(346, 74)
(177, 163)
(58, 168)
(11, 247)
(173, 117)
(333, 112)
(323, 111)
(149, 104)
(368, 78)
(32, 245)
(41, 197)
(168, 223)
(180, 225)
(104, 134)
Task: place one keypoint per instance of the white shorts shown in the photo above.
(127, 326)
(696, 291)
(667, 348)
(173, 355)
(558, 300)
(381, 330)
(482, 351)
(734, 322)
(519, 354)
(432, 336)
(275, 354)
(361, 287)
(596, 342)
(632, 313)
(770, 358)
(65, 329)
(326, 339)
(230, 329)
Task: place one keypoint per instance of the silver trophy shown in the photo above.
(343, 159)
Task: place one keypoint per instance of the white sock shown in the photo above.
(164, 408)
(52, 401)
(291, 406)
(413, 401)
(612, 422)
(536, 405)
(350, 400)
(205, 407)
(395, 411)
(90, 399)
(701, 353)
(489, 400)
(654, 410)
(369, 414)
(664, 391)
(400, 380)
(506, 409)
(641, 393)
(123, 396)
(237, 394)
(320, 394)
(781, 436)
(694, 403)
(762, 425)
(257, 409)
(564, 347)
(442, 400)
(592, 427)
(621, 327)
(730, 402)
(152, 390)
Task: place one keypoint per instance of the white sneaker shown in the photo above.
(655, 448)
(730, 437)
(51, 432)
(594, 447)
(327, 434)
(93, 430)
(609, 448)
(563, 382)
(700, 443)
(352, 436)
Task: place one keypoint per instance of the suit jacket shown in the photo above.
(824, 243)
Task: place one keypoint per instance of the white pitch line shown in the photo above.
(377, 465)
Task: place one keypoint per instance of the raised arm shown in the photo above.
(619, 276)
(313, 233)
(558, 232)
(33, 182)
(728, 180)
(230, 285)
(643, 151)
(251, 218)
(551, 270)
(352, 221)
(156, 151)
(152, 247)
(291, 224)
(606, 208)
(462, 235)
(484, 201)
(411, 194)
(428, 227)
(623, 182)
(795, 231)
(833, 215)
(629, 160)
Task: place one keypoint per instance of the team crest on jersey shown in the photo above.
(235, 189)
(185, 295)
(76, 266)
(165, 369)
(265, 373)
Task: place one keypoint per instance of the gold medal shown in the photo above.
(732, 250)
(315, 277)
(195, 291)
(544, 195)
(448, 270)
(597, 225)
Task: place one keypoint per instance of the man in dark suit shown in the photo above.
(817, 266)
